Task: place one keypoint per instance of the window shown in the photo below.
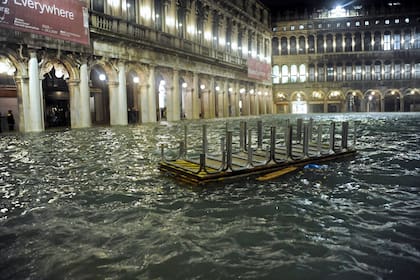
(417, 39)
(397, 70)
(387, 21)
(293, 73)
(377, 70)
(310, 26)
(397, 41)
(377, 41)
(98, 6)
(321, 74)
(348, 43)
(320, 25)
(276, 74)
(283, 45)
(366, 23)
(311, 73)
(338, 24)
(131, 10)
(302, 45)
(407, 20)
(284, 74)
(349, 72)
(357, 23)
(348, 24)
(377, 22)
(215, 32)
(407, 39)
(293, 49)
(339, 76)
(358, 72)
(407, 71)
(158, 14)
(181, 14)
(387, 70)
(397, 20)
(357, 42)
(368, 41)
(311, 44)
(320, 43)
(330, 73)
(330, 43)
(368, 71)
(387, 41)
(292, 27)
(302, 73)
(275, 46)
(339, 43)
(301, 27)
(417, 70)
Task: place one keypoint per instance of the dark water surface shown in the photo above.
(91, 204)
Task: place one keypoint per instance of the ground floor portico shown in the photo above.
(117, 85)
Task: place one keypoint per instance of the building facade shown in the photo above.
(348, 60)
(146, 61)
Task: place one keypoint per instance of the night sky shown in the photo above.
(311, 4)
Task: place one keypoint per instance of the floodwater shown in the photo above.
(91, 204)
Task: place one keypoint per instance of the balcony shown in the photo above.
(119, 29)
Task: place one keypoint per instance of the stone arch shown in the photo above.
(9, 100)
(354, 100)
(411, 100)
(392, 100)
(372, 100)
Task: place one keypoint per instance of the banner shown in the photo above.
(67, 20)
(258, 70)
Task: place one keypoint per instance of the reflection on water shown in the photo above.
(91, 204)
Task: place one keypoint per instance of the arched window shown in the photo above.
(339, 75)
(330, 72)
(349, 71)
(311, 73)
(293, 49)
(397, 70)
(358, 71)
(302, 45)
(368, 41)
(320, 43)
(339, 43)
(329, 43)
(407, 39)
(284, 74)
(397, 40)
(368, 70)
(283, 44)
(377, 70)
(387, 70)
(293, 73)
(98, 6)
(321, 73)
(387, 41)
(417, 70)
(181, 13)
(417, 39)
(377, 41)
(131, 10)
(159, 14)
(311, 44)
(407, 70)
(200, 26)
(275, 46)
(348, 43)
(276, 74)
(357, 42)
(302, 73)
(215, 31)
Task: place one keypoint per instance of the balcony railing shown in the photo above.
(119, 28)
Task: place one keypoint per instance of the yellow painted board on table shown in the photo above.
(277, 173)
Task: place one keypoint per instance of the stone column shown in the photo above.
(194, 97)
(113, 102)
(151, 96)
(226, 99)
(80, 99)
(118, 98)
(34, 120)
(174, 114)
(144, 101)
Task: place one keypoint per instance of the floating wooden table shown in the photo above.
(276, 160)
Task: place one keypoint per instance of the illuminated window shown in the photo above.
(397, 20)
(311, 73)
(407, 71)
(330, 73)
(339, 76)
(377, 22)
(293, 49)
(387, 21)
(302, 73)
(284, 74)
(276, 74)
(357, 23)
(387, 41)
(407, 39)
(377, 69)
(397, 70)
(417, 70)
(387, 70)
(358, 72)
(301, 27)
(366, 23)
(321, 73)
(348, 24)
(368, 71)
(349, 72)
(397, 41)
(407, 20)
(292, 27)
(293, 73)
